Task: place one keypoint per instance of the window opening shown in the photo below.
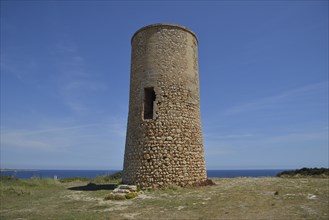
(149, 98)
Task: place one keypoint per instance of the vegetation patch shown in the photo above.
(113, 178)
(131, 195)
(306, 172)
(109, 197)
(207, 182)
(230, 198)
(8, 178)
(74, 179)
(116, 176)
(115, 196)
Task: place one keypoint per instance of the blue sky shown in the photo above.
(65, 69)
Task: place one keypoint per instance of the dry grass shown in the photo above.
(237, 198)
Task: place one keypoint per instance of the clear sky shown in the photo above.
(65, 69)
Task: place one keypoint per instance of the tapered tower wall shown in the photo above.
(164, 143)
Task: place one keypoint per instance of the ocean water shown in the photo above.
(27, 174)
(242, 173)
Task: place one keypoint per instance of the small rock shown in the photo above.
(146, 156)
(117, 190)
(310, 196)
(180, 207)
(125, 186)
(132, 188)
(169, 138)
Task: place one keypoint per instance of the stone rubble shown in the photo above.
(123, 192)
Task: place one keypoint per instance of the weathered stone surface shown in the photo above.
(129, 187)
(164, 143)
(117, 190)
(123, 192)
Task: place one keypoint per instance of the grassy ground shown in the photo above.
(236, 198)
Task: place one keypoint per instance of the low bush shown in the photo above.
(312, 172)
(8, 178)
(131, 195)
(116, 177)
(73, 179)
(116, 196)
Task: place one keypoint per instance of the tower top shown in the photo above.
(164, 25)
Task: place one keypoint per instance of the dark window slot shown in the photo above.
(149, 98)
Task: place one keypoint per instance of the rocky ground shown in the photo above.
(235, 198)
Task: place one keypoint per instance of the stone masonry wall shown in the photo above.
(167, 149)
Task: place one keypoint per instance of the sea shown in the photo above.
(60, 174)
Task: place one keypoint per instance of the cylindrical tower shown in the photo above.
(164, 143)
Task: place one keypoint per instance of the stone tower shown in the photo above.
(164, 143)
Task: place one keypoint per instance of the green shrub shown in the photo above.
(36, 178)
(8, 178)
(316, 172)
(116, 177)
(131, 195)
(73, 179)
(99, 179)
(18, 190)
(172, 187)
(116, 196)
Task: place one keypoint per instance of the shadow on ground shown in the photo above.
(94, 187)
